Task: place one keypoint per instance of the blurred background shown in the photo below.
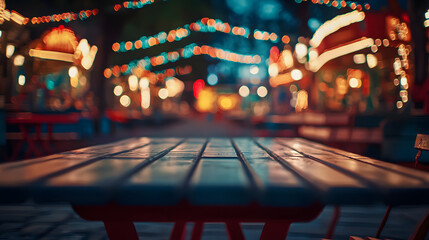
(350, 74)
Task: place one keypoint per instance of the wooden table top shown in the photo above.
(215, 171)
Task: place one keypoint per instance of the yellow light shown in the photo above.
(125, 100)
(144, 82)
(83, 46)
(399, 104)
(118, 90)
(206, 101)
(404, 81)
(340, 51)
(296, 74)
(145, 98)
(21, 80)
(174, 87)
(355, 83)
(83, 81)
(301, 101)
(359, 58)
(10, 49)
(334, 25)
(51, 55)
(287, 58)
(262, 91)
(243, 91)
(74, 81)
(254, 69)
(396, 82)
(312, 54)
(225, 103)
(372, 61)
(133, 82)
(273, 70)
(18, 60)
(163, 93)
(300, 50)
(73, 72)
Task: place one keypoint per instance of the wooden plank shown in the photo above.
(393, 187)
(163, 182)
(220, 180)
(334, 187)
(17, 178)
(94, 183)
(279, 186)
(386, 165)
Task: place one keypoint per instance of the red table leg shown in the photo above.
(275, 230)
(234, 231)
(30, 143)
(179, 231)
(197, 232)
(120, 230)
(334, 221)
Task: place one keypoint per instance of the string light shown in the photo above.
(133, 4)
(206, 25)
(66, 17)
(339, 4)
(186, 52)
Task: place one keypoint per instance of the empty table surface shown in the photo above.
(215, 171)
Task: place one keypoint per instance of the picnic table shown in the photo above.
(277, 181)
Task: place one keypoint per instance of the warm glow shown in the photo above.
(18, 60)
(273, 70)
(372, 61)
(125, 100)
(144, 82)
(287, 58)
(206, 101)
(262, 91)
(21, 80)
(51, 55)
(244, 91)
(163, 93)
(174, 86)
(73, 72)
(226, 103)
(296, 74)
(301, 101)
(10, 49)
(340, 51)
(145, 97)
(355, 83)
(118, 90)
(254, 69)
(300, 50)
(133, 82)
(334, 25)
(359, 58)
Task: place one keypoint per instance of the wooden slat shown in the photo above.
(220, 180)
(94, 183)
(164, 181)
(393, 187)
(333, 186)
(278, 186)
(17, 178)
(386, 165)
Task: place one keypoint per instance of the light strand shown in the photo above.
(185, 53)
(202, 25)
(339, 4)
